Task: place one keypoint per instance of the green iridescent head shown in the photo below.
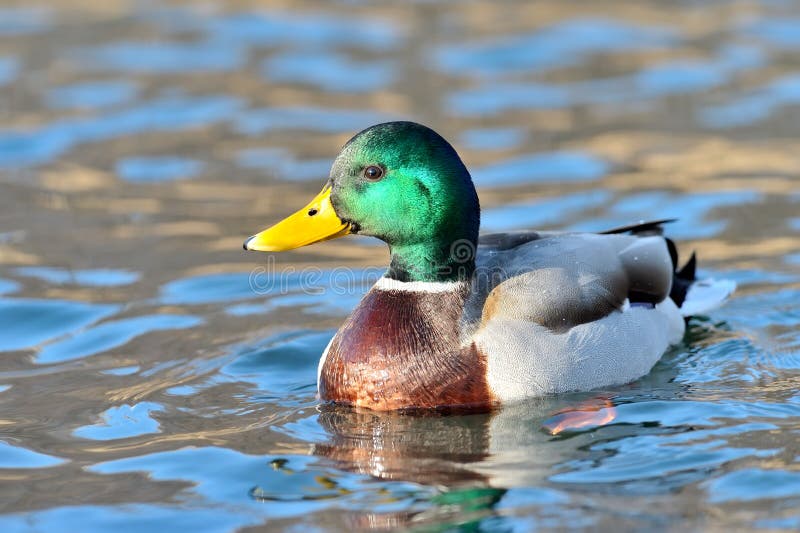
(404, 184)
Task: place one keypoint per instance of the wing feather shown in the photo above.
(562, 280)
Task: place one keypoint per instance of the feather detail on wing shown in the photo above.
(562, 280)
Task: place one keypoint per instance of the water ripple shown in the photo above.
(163, 57)
(9, 68)
(755, 106)
(170, 113)
(7, 286)
(541, 212)
(24, 20)
(564, 44)
(35, 321)
(556, 166)
(329, 71)
(306, 30)
(17, 457)
(92, 95)
(754, 483)
(328, 120)
(123, 422)
(156, 169)
(782, 32)
(282, 164)
(96, 277)
(110, 335)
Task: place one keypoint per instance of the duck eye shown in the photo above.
(373, 173)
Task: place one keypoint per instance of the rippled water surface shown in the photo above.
(153, 376)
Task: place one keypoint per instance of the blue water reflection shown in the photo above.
(16, 457)
(31, 321)
(492, 138)
(161, 57)
(656, 456)
(131, 517)
(123, 422)
(282, 164)
(328, 120)
(278, 366)
(9, 67)
(563, 44)
(92, 95)
(755, 106)
(168, 113)
(781, 32)
(24, 20)
(306, 30)
(499, 97)
(155, 169)
(346, 298)
(296, 482)
(556, 166)
(208, 288)
(110, 335)
(754, 483)
(7, 286)
(94, 277)
(655, 81)
(542, 212)
(122, 371)
(690, 210)
(679, 77)
(329, 71)
(270, 281)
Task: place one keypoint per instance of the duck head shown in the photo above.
(402, 183)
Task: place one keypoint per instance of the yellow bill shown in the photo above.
(314, 223)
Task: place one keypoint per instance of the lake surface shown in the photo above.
(154, 376)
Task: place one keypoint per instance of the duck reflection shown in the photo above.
(472, 459)
(432, 450)
(435, 449)
(425, 449)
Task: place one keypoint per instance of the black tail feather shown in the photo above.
(689, 270)
(683, 279)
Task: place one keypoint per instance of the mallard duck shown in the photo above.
(467, 321)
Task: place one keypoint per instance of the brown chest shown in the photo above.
(401, 350)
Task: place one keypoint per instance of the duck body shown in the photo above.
(467, 322)
(552, 314)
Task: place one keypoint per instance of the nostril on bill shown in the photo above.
(313, 211)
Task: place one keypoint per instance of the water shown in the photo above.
(155, 376)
